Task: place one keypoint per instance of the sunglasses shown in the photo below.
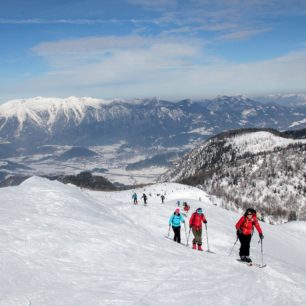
(250, 214)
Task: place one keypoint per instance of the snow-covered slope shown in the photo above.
(259, 142)
(265, 169)
(236, 143)
(64, 246)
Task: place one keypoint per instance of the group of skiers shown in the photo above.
(244, 228)
(195, 224)
(145, 198)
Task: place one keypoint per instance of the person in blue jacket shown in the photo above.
(134, 197)
(175, 221)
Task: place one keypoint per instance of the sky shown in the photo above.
(170, 49)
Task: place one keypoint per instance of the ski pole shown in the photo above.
(185, 232)
(188, 236)
(261, 252)
(233, 247)
(169, 231)
(207, 237)
(262, 264)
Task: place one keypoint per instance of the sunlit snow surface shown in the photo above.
(64, 246)
(260, 142)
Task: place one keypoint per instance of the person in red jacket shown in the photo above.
(186, 207)
(195, 223)
(245, 228)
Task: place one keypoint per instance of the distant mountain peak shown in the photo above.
(45, 111)
(233, 98)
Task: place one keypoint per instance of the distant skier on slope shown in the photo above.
(144, 197)
(175, 221)
(134, 197)
(245, 228)
(186, 207)
(195, 223)
(162, 198)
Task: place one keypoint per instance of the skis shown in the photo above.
(209, 251)
(259, 265)
(244, 262)
(251, 264)
(175, 241)
(206, 251)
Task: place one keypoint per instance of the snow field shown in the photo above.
(64, 246)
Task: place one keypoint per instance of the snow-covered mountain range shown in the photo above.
(124, 137)
(260, 168)
(87, 120)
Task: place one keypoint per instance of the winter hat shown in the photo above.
(199, 210)
(177, 210)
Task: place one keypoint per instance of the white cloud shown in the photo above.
(276, 75)
(175, 61)
(97, 50)
(171, 69)
(154, 3)
(242, 34)
(38, 21)
(89, 45)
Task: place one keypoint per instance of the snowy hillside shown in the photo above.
(62, 246)
(260, 142)
(239, 143)
(249, 167)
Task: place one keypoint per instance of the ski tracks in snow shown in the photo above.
(159, 283)
(274, 286)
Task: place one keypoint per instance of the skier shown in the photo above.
(245, 228)
(178, 203)
(144, 197)
(186, 207)
(195, 224)
(175, 220)
(134, 197)
(162, 198)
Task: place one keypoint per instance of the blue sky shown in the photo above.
(171, 49)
